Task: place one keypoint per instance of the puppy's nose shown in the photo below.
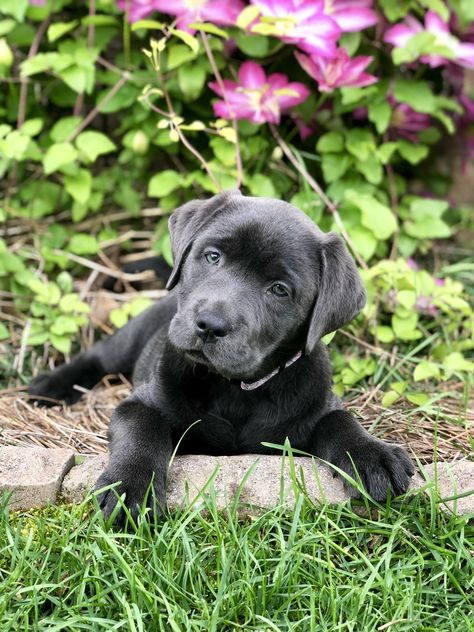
(210, 326)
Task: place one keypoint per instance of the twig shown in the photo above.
(315, 186)
(218, 76)
(95, 111)
(24, 80)
(20, 358)
(170, 115)
(90, 42)
(392, 188)
(124, 276)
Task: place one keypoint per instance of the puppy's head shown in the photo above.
(257, 281)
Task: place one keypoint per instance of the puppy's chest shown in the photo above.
(226, 404)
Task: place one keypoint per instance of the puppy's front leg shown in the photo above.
(341, 440)
(140, 451)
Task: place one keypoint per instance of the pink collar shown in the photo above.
(250, 386)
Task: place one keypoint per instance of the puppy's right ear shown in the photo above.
(186, 222)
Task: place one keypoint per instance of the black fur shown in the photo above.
(222, 323)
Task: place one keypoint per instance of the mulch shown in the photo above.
(446, 429)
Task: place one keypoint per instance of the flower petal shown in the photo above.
(252, 75)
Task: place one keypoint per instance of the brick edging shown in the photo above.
(37, 476)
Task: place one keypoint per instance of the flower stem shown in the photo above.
(218, 76)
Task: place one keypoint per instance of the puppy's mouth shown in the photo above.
(197, 355)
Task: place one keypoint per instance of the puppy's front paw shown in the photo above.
(135, 484)
(54, 387)
(57, 386)
(380, 466)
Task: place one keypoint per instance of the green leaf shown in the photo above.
(308, 202)
(412, 152)
(248, 15)
(351, 42)
(375, 216)
(419, 399)
(61, 343)
(57, 156)
(364, 241)
(456, 362)
(252, 45)
(371, 169)
(360, 143)
(207, 27)
(94, 144)
(191, 80)
(390, 398)
(438, 6)
(423, 208)
(334, 166)
(164, 183)
(385, 152)
(6, 26)
(379, 114)
(425, 370)
(405, 328)
(64, 325)
(260, 185)
(425, 219)
(14, 145)
(417, 94)
(47, 293)
(384, 334)
(32, 127)
(63, 128)
(58, 29)
(330, 142)
(152, 25)
(99, 20)
(72, 303)
(83, 244)
(178, 54)
(79, 185)
(4, 333)
(224, 151)
(187, 38)
(75, 77)
(118, 317)
(16, 8)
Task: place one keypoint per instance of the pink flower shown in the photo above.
(459, 52)
(468, 104)
(424, 305)
(405, 122)
(224, 12)
(256, 97)
(338, 71)
(411, 263)
(301, 22)
(351, 15)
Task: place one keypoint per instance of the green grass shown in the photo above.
(315, 568)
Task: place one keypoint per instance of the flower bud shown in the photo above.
(6, 55)
(140, 142)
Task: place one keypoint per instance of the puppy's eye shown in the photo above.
(212, 257)
(279, 290)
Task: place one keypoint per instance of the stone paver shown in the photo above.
(82, 478)
(454, 479)
(33, 475)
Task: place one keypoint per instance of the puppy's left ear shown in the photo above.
(341, 294)
(187, 221)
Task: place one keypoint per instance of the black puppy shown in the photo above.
(235, 345)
